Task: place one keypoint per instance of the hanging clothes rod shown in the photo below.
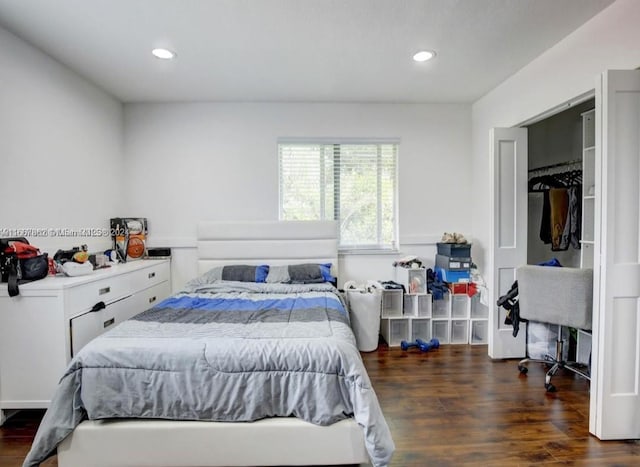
(556, 166)
(562, 174)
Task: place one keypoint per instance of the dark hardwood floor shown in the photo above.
(454, 406)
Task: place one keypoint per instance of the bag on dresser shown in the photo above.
(21, 262)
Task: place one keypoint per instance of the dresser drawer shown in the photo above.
(90, 325)
(146, 299)
(84, 328)
(154, 295)
(144, 278)
(85, 296)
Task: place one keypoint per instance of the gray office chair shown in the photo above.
(560, 296)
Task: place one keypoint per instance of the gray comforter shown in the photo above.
(223, 352)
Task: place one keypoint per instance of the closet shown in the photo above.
(561, 203)
(610, 229)
(561, 151)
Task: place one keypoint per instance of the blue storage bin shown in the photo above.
(453, 263)
(447, 275)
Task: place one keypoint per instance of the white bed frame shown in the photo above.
(278, 441)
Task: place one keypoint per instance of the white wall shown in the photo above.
(567, 70)
(60, 148)
(188, 162)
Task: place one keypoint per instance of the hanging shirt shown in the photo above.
(559, 202)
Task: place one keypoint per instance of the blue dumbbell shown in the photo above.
(404, 345)
(422, 345)
(426, 346)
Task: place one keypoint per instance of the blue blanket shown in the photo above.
(226, 351)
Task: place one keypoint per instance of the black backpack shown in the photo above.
(17, 270)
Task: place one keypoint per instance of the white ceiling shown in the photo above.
(296, 50)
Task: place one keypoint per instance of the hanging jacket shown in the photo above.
(509, 302)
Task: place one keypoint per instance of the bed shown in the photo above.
(314, 404)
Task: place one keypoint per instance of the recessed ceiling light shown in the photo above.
(424, 55)
(164, 54)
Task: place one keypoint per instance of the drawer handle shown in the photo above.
(98, 306)
(104, 290)
(152, 275)
(109, 322)
(152, 299)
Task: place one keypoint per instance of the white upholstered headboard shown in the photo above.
(267, 242)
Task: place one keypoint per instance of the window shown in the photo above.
(352, 183)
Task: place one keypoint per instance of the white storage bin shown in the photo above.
(410, 305)
(414, 280)
(395, 330)
(479, 332)
(417, 305)
(478, 310)
(541, 340)
(420, 328)
(440, 330)
(391, 303)
(459, 331)
(460, 306)
(440, 307)
(364, 313)
(424, 305)
(583, 347)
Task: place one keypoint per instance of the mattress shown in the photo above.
(223, 351)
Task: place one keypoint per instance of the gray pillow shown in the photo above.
(308, 273)
(237, 272)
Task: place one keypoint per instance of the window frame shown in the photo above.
(389, 248)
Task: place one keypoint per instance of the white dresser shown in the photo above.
(53, 318)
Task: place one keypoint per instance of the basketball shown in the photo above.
(135, 249)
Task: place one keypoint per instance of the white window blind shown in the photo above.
(352, 183)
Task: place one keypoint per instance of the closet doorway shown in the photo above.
(560, 212)
(552, 152)
(615, 362)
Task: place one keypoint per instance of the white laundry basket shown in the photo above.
(364, 312)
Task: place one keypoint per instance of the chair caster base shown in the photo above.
(550, 387)
(523, 369)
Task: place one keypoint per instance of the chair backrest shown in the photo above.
(556, 295)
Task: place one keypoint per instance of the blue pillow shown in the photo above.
(325, 269)
(262, 272)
